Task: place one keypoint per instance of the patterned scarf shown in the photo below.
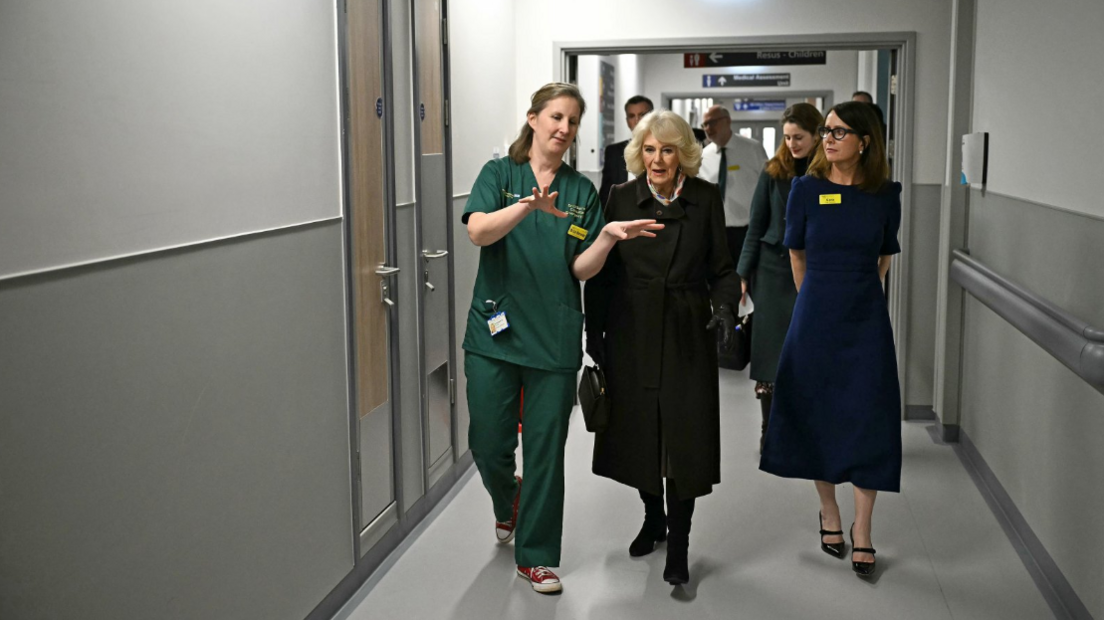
(662, 200)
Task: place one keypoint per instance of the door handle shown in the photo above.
(385, 293)
(385, 271)
(428, 254)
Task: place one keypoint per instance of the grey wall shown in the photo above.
(174, 434)
(1037, 424)
(1030, 54)
(174, 416)
(922, 284)
(130, 126)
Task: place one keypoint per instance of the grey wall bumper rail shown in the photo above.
(1072, 341)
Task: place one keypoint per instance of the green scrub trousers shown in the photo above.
(494, 400)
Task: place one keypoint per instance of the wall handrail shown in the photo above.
(1075, 343)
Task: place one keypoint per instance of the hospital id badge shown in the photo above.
(830, 199)
(497, 323)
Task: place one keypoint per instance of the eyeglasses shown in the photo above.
(839, 133)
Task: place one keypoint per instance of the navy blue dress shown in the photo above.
(836, 415)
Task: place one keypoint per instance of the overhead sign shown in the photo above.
(759, 105)
(729, 80)
(752, 59)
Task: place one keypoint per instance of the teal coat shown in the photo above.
(765, 264)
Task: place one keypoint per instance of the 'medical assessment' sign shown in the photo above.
(729, 80)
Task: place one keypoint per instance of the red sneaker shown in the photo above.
(542, 579)
(505, 531)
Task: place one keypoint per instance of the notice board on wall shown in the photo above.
(607, 107)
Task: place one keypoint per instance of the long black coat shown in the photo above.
(652, 301)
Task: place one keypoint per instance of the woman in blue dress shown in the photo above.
(836, 416)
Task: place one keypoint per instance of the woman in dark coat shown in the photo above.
(650, 317)
(764, 261)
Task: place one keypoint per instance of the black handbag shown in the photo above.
(594, 399)
(740, 355)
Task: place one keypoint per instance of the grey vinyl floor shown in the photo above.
(753, 548)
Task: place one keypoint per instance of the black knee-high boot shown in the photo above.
(680, 514)
(655, 526)
(765, 403)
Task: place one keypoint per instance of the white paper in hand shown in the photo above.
(745, 308)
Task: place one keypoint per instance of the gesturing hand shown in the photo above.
(541, 200)
(622, 231)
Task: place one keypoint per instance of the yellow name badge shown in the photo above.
(577, 232)
(830, 199)
(733, 168)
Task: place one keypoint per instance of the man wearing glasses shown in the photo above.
(733, 162)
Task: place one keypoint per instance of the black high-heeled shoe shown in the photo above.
(862, 569)
(833, 549)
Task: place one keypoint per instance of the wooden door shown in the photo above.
(372, 277)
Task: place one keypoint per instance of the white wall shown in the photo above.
(868, 72)
(1040, 102)
(627, 77)
(664, 73)
(131, 126)
(485, 114)
(609, 21)
(630, 82)
(591, 126)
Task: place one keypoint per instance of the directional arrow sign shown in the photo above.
(750, 59)
(731, 80)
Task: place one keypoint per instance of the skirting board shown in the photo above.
(915, 413)
(376, 562)
(1056, 590)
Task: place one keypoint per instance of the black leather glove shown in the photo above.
(596, 348)
(725, 320)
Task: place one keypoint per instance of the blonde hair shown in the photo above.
(668, 128)
(519, 150)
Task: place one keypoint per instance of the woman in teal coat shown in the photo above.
(764, 261)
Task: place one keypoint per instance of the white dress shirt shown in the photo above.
(745, 159)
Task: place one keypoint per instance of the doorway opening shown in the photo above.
(683, 74)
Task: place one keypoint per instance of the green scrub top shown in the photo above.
(527, 273)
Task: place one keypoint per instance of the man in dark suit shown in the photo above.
(613, 168)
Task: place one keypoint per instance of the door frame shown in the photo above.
(565, 68)
(416, 100)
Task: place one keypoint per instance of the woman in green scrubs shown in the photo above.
(541, 231)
